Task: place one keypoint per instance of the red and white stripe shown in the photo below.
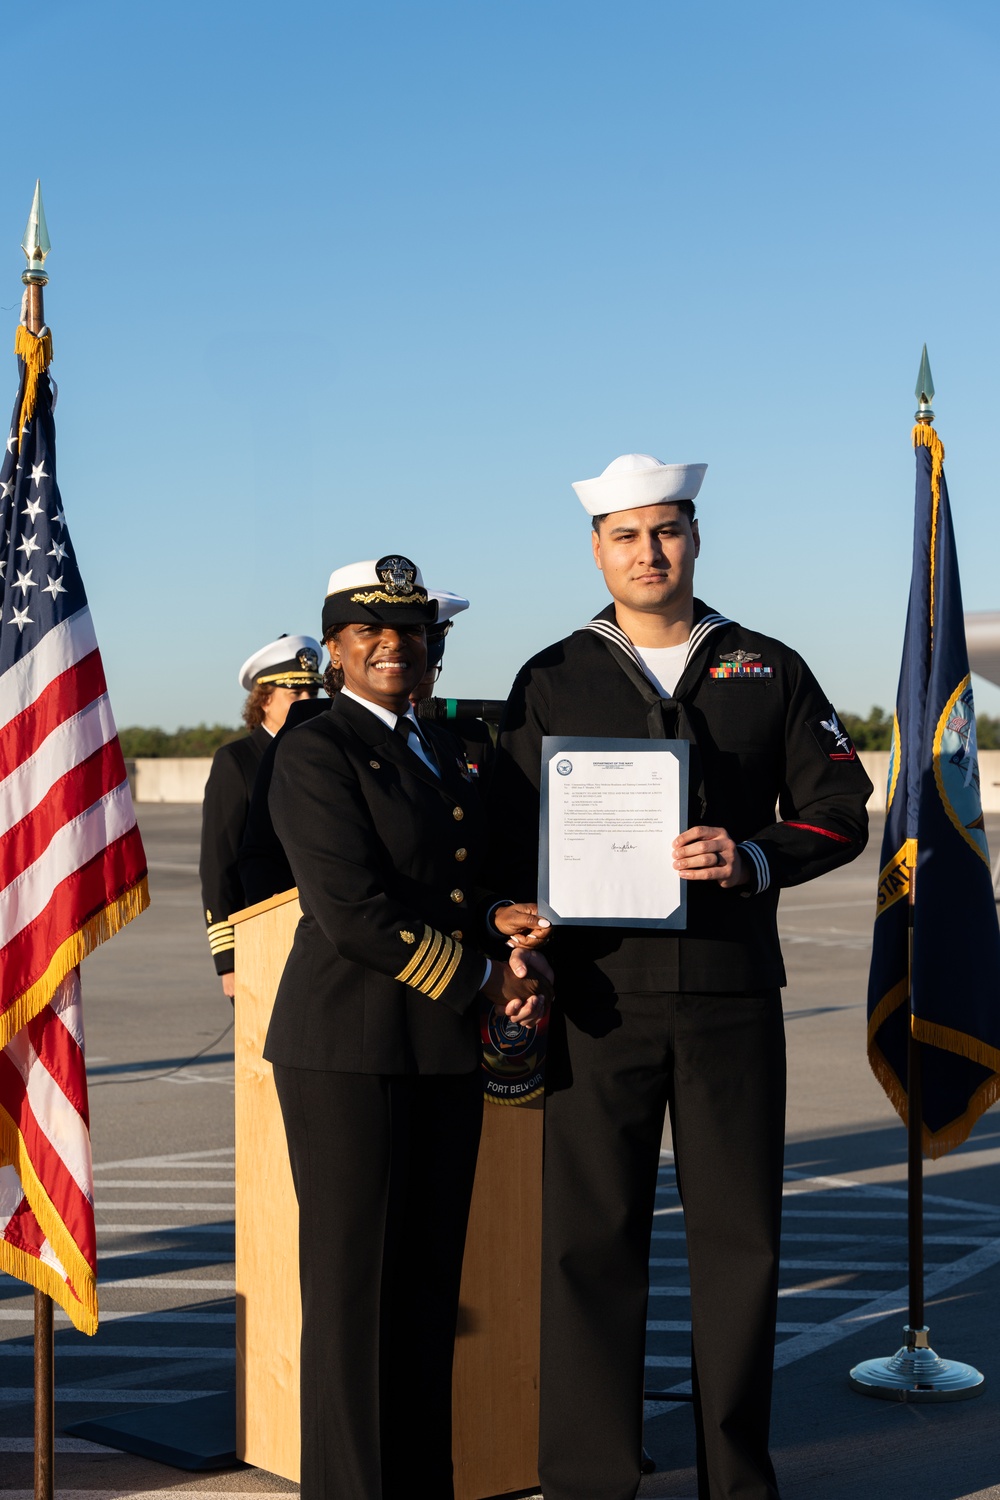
(68, 838)
(43, 1092)
(69, 850)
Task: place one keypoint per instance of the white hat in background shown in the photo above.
(449, 605)
(637, 479)
(290, 661)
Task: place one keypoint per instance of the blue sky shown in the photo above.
(331, 280)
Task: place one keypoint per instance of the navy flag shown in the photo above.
(934, 854)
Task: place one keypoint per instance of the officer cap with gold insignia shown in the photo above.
(638, 479)
(291, 661)
(387, 592)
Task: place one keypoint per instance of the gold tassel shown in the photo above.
(69, 954)
(36, 351)
(924, 436)
(81, 1307)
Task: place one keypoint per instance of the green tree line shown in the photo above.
(203, 739)
(875, 731)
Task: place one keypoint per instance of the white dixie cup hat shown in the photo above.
(637, 479)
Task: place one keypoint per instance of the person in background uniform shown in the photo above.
(374, 1042)
(275, 677)
(688, 1021)
(474, 733)
(263, 866)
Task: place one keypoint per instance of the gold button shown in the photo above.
(374, 765)
(457, 934)
(461, 854)
(457, 814)
(457, 896)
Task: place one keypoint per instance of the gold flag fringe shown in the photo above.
(939, 1142)
(70, 953)
(924, 436)
(82, 1308)
(36, 351)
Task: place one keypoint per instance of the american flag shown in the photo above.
(72, 867)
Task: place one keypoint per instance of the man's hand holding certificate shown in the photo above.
(611, 811)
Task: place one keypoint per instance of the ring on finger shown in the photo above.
(718, 857)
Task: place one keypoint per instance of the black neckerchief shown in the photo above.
(666, 718)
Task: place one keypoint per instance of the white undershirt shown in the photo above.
(664, 665)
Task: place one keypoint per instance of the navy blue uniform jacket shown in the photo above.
(387, 959)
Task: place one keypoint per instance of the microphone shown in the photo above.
(442, 709)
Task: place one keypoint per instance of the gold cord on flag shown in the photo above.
(36, 351)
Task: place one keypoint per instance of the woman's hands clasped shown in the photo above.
(521, 988)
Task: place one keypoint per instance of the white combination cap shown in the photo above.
(449, 605)
(637, 479)
(290, 661)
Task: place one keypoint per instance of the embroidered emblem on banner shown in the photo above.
(956, 767)
(832, 738)
(741, 664)
(513, 1058)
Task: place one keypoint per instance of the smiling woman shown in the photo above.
(374, 1039)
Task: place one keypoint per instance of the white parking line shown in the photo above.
(109, 1230)
(27, 1315)
(168, 1283)
(212, 1158)
(123, 1351)
(168, 1208)
(11, 1395)
(153, 1182)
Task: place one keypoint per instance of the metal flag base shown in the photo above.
(916, 1373)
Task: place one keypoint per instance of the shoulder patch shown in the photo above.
(831, 736)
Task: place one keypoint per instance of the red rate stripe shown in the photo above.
(64, 696)
(66, 799)
(827, 834)
(84, 893)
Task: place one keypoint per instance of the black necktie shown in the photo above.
(405, 727)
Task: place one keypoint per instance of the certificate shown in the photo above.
(610, 811)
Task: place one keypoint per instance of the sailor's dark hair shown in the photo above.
(686, 508)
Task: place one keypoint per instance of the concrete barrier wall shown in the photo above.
(876, 763)
(169, 780)
(183, 780)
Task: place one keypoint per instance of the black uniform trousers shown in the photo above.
(717, 1061)
(383, 1169)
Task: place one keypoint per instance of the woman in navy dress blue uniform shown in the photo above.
(375, 1045)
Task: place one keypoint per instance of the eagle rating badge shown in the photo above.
(513, 1058)
(745, 664)
(832, 738)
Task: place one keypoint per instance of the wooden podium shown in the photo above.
(496, 1355)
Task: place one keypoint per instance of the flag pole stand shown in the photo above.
(915, 1372)
(45, 1425)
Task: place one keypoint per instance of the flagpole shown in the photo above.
(36, 247)
(915, 1372)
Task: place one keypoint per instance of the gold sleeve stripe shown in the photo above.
(431, 978)
(221, 944)
(404, 974)
(220, 927)
(432, 967)
(430, 963)
(448, 974)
